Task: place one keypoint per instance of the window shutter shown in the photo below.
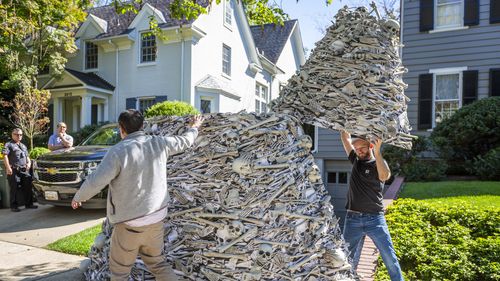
(426, 15)
(425, 101)
(159, 99)
(495, 82)
(494, 11)
(131, 103)
(471, 12)
(469, 87)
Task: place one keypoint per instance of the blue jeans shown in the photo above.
(357, 226)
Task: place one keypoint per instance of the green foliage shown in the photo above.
(470, 133)
(85, 132)
(439, 241)
(35, 34)
(171, 108)
(409, 163)
(487, 167)
(76, 244)
(37, 151)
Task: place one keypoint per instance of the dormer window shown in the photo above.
(228, 13)
(91, 53)
(148, 48)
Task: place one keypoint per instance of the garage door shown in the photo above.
(337, 174)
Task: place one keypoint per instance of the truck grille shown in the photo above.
(58, 178)
(59, 165)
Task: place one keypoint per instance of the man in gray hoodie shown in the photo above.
(135, 172)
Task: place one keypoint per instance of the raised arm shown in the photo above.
(384, 172)
(346, 141)
(177, 144)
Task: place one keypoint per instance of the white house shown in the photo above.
(217, 63)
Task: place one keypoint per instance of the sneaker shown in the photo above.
(32, 207)
(15, 210)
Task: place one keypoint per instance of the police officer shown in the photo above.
(17, 164)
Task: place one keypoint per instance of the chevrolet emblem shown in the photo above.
(52, 171)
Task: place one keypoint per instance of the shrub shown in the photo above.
(435, 241)
(37, 151)
(409, 163)
(83, 133)
(171, 108)
(469, 133)
(487, 167)
(1, 149)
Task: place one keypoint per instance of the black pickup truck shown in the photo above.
(58, 175)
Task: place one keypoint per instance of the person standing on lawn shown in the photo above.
(365, 211)
(135, 172)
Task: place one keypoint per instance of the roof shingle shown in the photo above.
(270, 39)
(91, 79)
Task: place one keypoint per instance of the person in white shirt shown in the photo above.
(60, 139)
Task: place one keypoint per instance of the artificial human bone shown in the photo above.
(354, 73)
(268, 224)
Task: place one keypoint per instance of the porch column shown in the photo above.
(86, 111)
(57, 112)
(99, 112)
(106, 109)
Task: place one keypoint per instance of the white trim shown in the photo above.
(240, 16)
(446, 71)
(448, 29)
(82, 88)
(139, 50)
(151, 11)
(84, 69)
(219, 92)
(100, 24)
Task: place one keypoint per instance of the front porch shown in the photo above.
(79, 99)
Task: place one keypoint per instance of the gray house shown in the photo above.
(452, 52)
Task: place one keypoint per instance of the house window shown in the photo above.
(449, 13)
(261, 98)
(205, 105)
(90, 55)
(144, 103)
(226, 60)
(228, 12)
(311, 131)
(148, 48)
(447, 96)
(338, 177)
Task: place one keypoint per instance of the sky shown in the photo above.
(314, 17)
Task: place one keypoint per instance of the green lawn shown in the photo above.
(484, 194)
(76, 244)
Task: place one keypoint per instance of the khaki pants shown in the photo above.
(147, 241)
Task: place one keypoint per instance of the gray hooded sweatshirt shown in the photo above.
(136, 174)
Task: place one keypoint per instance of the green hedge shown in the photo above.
(171, 108)
(37, 151)
(471, 132)
(486, 167)
(436, 241)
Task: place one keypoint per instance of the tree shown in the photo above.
(30, 112)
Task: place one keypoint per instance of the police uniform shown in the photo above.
(20, 181)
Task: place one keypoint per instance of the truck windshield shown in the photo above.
(104, 136)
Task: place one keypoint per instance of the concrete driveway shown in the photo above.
(23, 236)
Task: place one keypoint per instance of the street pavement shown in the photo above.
(23, 236)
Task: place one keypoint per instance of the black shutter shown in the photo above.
(469, 87)
(425, 101)
(159, 99)
(426, 15)
(131, 103)
(93, 115)
(495, 82)
(471, 12)
(494, 11)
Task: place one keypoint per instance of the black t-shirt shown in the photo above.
(365, 188)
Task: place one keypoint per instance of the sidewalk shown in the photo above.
(20, 262)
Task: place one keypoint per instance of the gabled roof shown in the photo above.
(270, 39)
(213, 83)
(118, 23)
(91, 79)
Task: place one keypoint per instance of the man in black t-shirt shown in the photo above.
(365, 211)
